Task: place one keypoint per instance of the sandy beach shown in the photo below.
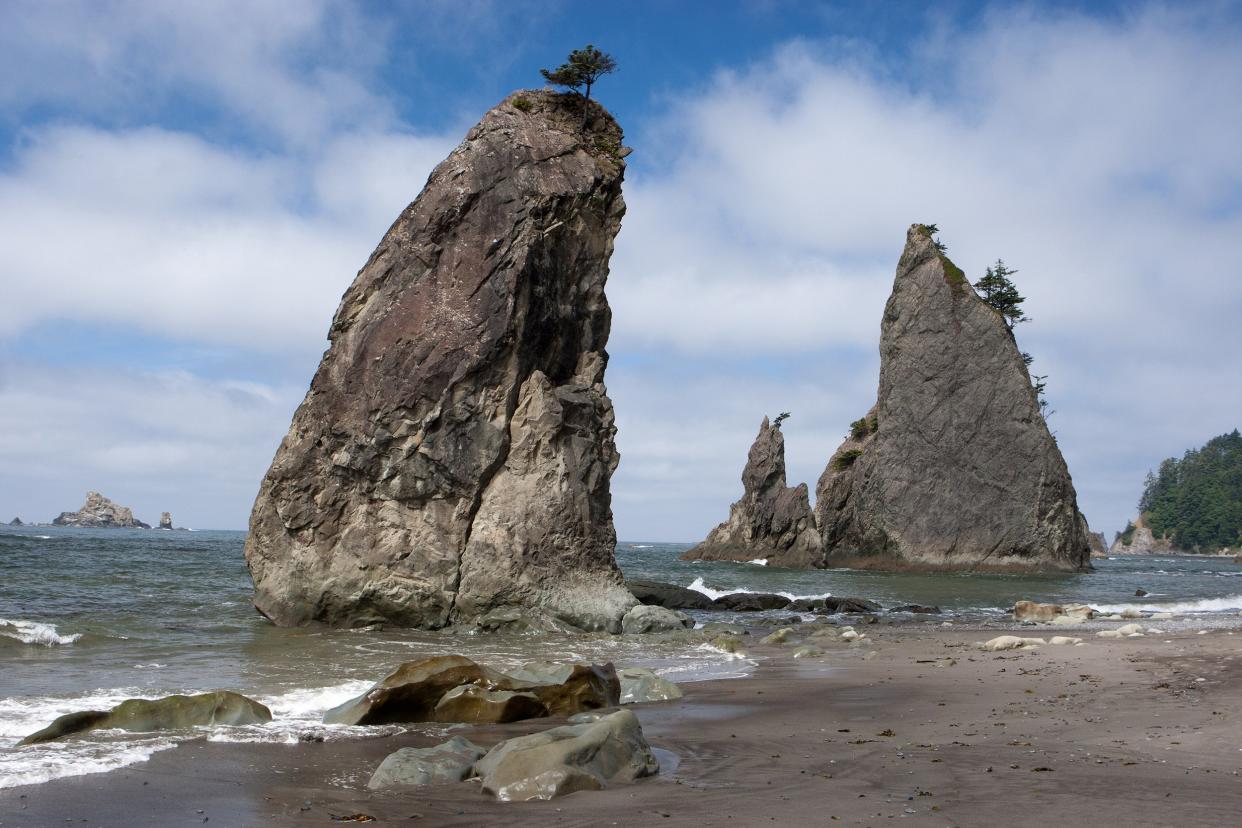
(916, 723)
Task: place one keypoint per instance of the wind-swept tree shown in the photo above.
(581, 71)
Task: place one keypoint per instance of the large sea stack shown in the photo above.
(98, 512)
(954, 467)
(771, 521)
(454, 452)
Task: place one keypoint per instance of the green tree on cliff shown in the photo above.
(999, 291)
(582, 70)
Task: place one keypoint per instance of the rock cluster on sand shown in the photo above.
(454, 452)
(456, 689)
(100, 512)
(771, 521)
(220, 707)
(954, 467)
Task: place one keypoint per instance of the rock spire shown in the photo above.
(453, 454)
(954, 467)
(771, 521)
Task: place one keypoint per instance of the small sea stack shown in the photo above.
(166, 520)
(772, 521)
(453, 455)
(98, 512)
(953, 467)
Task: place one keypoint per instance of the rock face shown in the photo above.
(771, 521)
(16, 522)
(454, 452)
(1098, 543)
(954, 467)
(220, 707)
(166, 520)
(1143, 542)
(100, 512)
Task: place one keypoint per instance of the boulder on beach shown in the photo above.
(953, 468)
(771, 521)
(98, 512)
(668, 596)
(639, 685)
(454, 452)
(451, 761)
(648, 619)
(220, 707)
(1011, 642)
(456, 689)
(581, 757)
(1051, 613)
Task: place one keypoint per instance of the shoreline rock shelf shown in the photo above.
(453, 455)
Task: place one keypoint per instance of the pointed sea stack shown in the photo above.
(954, 467)
(771, 522)
(454, 452)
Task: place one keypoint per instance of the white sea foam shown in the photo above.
(1227, 604)
(699, 586)
(759, 562)
(33, 632)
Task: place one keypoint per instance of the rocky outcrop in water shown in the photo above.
(166, 520)
(219, 707)
(1098, 543)
(771, 521)
(954, 467)
(1138, 539)
(454, 452)
(100, 512)
(16, 522)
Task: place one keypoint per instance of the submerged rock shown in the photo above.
(954, 467)
(454, 452)
(582, 757)
(456, 689)
(99, 512)
(220, 707)
(668, 595)
(451, 761)
(771, 521)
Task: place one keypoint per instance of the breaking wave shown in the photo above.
(33, 632)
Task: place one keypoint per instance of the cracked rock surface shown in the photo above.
(454, 452)
(954, 467)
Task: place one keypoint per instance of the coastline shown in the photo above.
(1134, 731)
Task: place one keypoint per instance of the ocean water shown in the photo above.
(91, 617)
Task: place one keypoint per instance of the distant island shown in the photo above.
(1190, 506)
(99, 512)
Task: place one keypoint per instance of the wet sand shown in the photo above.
(915, 724)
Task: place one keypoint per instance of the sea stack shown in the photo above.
(954, 467)
(771, 521)
(166, 520)
(1138, 539)
(98, 512)
(454, 452)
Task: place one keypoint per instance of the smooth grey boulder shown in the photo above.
(454, 452)
(98, 512)
(771, 521)
(456, 689)
(649, 619)
(954, 467)
(220, 707)
(639, 685)
(451, 761)
(560, 761)
(669, 596)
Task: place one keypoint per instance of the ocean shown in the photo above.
(91, 617)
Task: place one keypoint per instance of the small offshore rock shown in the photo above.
(778, 637)
(451, 761)
(751, 602)
(669, 596)
(918, 609)
(560, 761)
(220, 707)
(839, 606)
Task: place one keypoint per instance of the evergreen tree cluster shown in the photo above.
(1197, 501)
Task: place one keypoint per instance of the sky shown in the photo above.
(186, 190)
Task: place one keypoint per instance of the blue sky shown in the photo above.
(186, 189)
